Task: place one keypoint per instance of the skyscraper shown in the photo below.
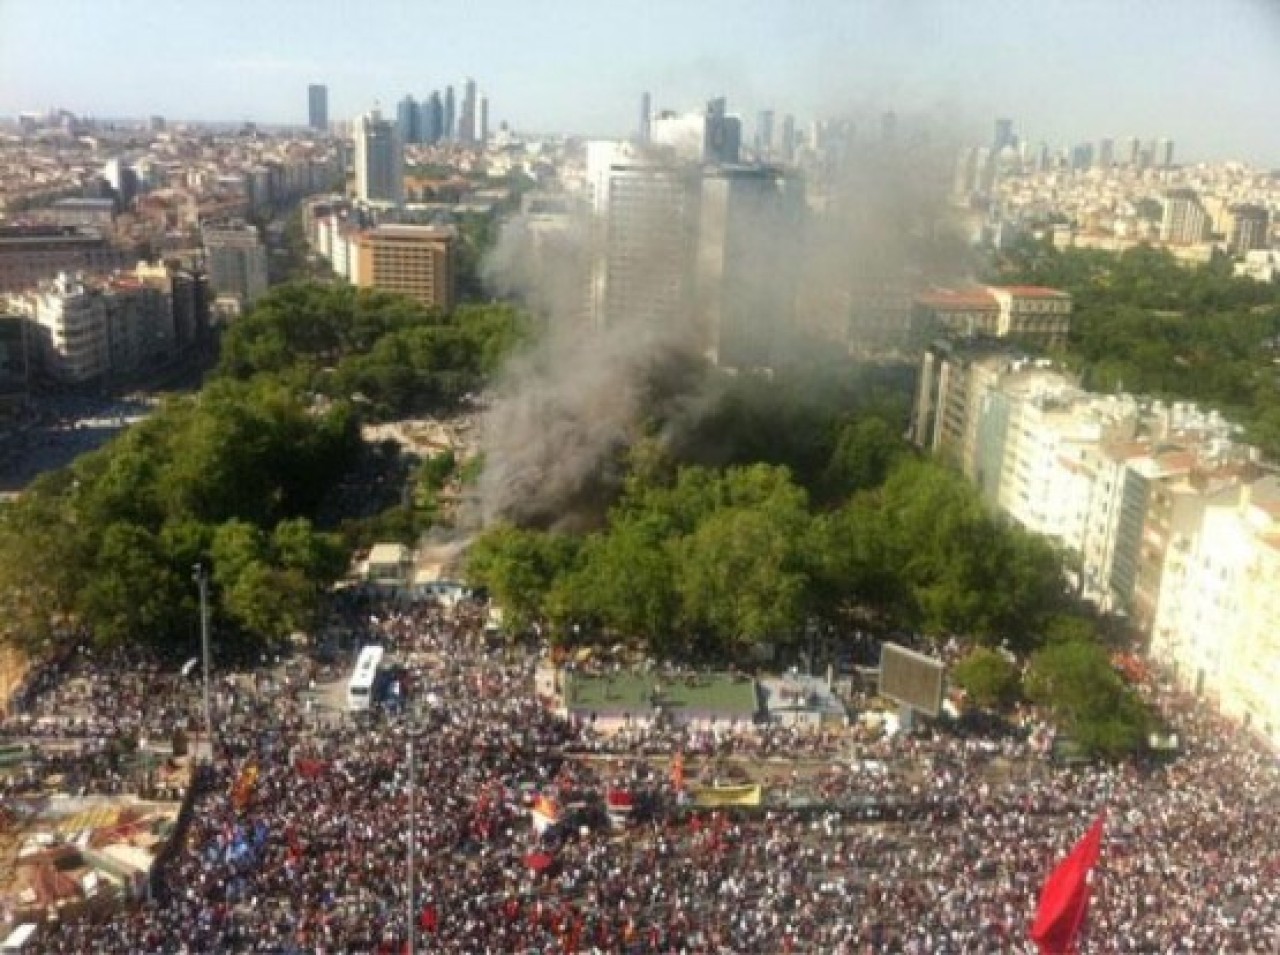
(646, 270)
(1004, 134)
(723, 136)
(407, 120)
(1163, 155)
(467, 120)
(318, 106)
(450, 115)
(646, 117)
(745, 281)
(432, 119)
(764, 134)
(1106, 153)
(787, 147)
(484, 120)
(379, 163)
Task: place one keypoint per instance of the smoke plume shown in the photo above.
(563, 413)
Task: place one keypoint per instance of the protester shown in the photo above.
(937, 843)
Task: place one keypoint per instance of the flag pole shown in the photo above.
(412, 836)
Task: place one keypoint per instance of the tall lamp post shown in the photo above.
(201, 576)
(413, 934)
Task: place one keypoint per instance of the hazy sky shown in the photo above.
(1206, 73)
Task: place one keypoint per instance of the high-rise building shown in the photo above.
(432, 119)
(746, 270)
(646, 117)
(1184, 221)
(1163, 153)
(412, 260)
(450, 115)
(787, 145)
(1082, 157)
(318, 106)
(1004, 134)
(236, 260)
(710, 136)
(484, 120)
(764, 134)
(723, 136)
(645, 272)
(1106, 153)
(1132, 151)
(467, 119)
(407, 120)
(1246, 227)
(379, 162)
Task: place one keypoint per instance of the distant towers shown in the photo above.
(484, 120)
(467, 121)
(646, 117)
(432, 119)
(318, 106)
(1004, 135)
(407, 120)
(450, 115)
(787, 143)
(1164, 153)
(764, 134)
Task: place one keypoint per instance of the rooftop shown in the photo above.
(628, 691)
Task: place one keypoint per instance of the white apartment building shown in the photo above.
(71, 328)
(1218, 617)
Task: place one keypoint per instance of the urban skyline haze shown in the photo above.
(1201, 74)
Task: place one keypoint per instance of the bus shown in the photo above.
(364, 679)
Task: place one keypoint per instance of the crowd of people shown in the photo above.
(299, 839)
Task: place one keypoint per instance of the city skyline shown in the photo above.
(1065, 72)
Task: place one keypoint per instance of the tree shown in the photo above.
(520, 567)
(988, 678)
(1075, 681)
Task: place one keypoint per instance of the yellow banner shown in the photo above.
(713, 796)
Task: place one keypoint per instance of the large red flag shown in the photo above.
(1065, 897)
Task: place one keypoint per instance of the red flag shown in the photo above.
(1065, 897)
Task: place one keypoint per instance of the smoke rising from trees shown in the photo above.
(563, 413)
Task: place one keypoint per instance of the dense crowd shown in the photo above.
(299, 841)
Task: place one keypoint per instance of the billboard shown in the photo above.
(911, 679)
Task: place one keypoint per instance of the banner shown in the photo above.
(715, 796)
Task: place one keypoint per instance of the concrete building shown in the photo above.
(236, 260)
(710, 136)
(646, 118)
(70, 329)
(318, 107)
(646, 268)
(379, 161)
(450, 133)
(746, 266)
(1184, 221)
(1218, 617)
(407, 122)
(432, 119)
(1247, 228)
(468, 114)
(417, 261)
(1035, 316)
(29, 254)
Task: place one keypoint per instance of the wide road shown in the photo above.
(60, 429)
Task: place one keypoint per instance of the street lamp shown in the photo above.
(201, 576)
